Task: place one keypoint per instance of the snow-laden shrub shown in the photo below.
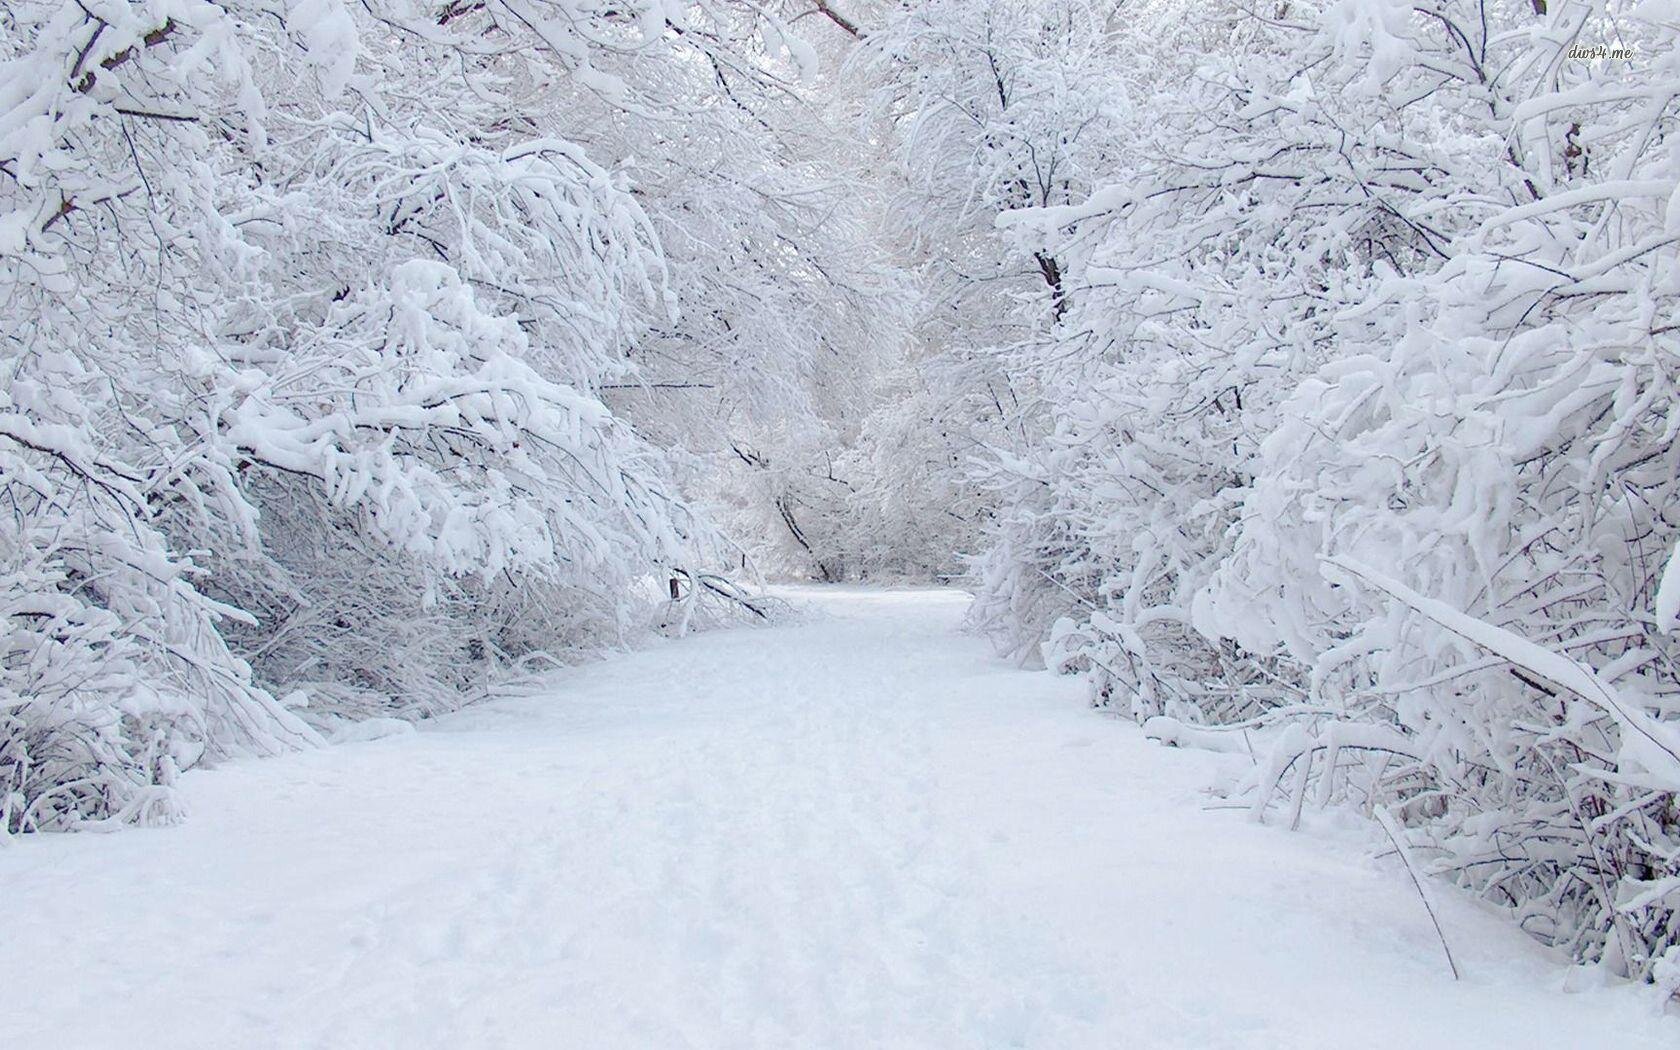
(115, 671)
(445, 510)
(307, 308)
(1198, 290)
(1459, 523)
(1507, 450)
(1356, 428)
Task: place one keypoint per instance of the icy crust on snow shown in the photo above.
(854, 831)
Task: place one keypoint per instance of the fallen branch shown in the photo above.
(1392, 829)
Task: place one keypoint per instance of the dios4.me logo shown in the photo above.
(1598, 53)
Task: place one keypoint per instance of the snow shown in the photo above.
(1668, 590)
(855, 830)
(1649, 743)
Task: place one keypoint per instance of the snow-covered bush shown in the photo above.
(1458, 523)
(303, 371)
(1195, 293)
(1356, 420)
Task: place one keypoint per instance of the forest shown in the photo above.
(1302, 377)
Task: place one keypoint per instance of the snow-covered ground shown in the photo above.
(858, 831)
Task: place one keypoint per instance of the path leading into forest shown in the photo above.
(858, 831)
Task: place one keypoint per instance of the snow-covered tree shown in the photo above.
(1358, 424)
(304, 367)
(1460, 523)
(981, 108)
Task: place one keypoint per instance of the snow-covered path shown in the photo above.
(860, 831)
